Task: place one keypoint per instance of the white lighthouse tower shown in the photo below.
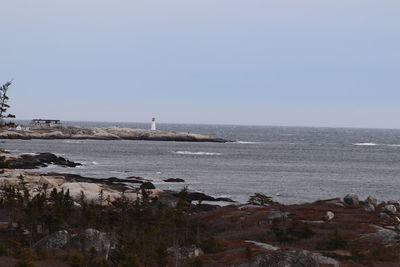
(153, 124)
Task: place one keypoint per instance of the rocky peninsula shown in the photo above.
(110, 133)
(60, 219)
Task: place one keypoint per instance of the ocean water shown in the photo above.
(292, 164)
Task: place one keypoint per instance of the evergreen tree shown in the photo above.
(4, 103)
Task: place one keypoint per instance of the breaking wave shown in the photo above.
(365, 144)
(246, 142)
(197, 153)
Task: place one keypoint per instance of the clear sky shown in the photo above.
(264, 62)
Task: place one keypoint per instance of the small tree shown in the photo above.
(4, 103)
(260, 200)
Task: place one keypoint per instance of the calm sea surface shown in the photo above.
(289, 163)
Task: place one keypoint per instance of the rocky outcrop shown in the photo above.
(110, 133)
(27, 161)
(282, 259)
(147, 185)
(197, 196)
(174, 180)
(390, 209)
(351, 200)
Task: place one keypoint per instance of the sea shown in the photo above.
(290, 164)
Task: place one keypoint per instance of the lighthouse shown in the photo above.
(153, 124)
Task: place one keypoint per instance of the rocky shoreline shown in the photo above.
(110, 133)
(335, 232)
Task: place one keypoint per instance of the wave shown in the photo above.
(72, 142)
(95, 163)
(197, 153)
(246, 142)
(394, 145)
(365, 144)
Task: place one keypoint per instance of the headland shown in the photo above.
(109, 133)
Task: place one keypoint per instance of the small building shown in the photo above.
(40, 123)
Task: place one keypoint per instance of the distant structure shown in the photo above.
(153, 124)
(45, 124)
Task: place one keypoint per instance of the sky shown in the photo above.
(252, 62)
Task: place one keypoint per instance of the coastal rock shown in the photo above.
(147, 185)
(174, 180)
(328, 216)
(385, 236)
(390, 209)
(110, 133)
(384, 215)
(57, 240)
(282, 259)
(369, 207)
(371, 200)
(394, 202)
(91, 191)
(351, 200)
(197, 196)
(27, 161)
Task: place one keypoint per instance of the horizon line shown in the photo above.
(234, 124)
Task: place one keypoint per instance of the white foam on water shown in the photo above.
(72, 142)
(246, 142)
(365, 144)
(197, 153)
(95, 163)
(394, 145)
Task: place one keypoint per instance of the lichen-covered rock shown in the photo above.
(351, 200)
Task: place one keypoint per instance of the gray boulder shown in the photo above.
(147, 185)
(369, 207)
(393, 202)
(328, 216)
(351, 200)
(390, 209)
(371, 200)
(385, 236)
(57, 240)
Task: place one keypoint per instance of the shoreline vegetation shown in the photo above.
(109, 133)
(55, 219)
